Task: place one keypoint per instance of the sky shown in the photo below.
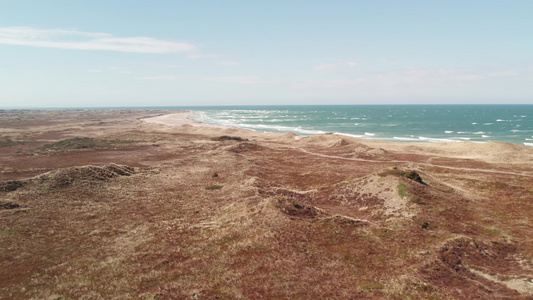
(118, 53)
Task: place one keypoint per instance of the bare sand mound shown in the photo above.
(328, 140)
(347, 146)
(238, 144)
(291, 136)
(382, 195)
(371, 153)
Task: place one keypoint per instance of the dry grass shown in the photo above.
(282, 219)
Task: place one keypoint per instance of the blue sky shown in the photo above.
(181, 53)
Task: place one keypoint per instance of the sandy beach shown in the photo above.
(175, 119)
(146, 204)
(491, 152)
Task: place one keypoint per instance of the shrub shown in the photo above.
(413, 175)
(228, 138)
(213, 187)
(402, 190)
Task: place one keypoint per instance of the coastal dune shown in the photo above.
(153, 205)
(175, 119)
(496, 152)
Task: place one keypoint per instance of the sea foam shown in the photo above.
(405, 138)
(432, 123)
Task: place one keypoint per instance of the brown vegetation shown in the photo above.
(100, 205)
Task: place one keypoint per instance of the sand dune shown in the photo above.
(497, 152)
(152, 205)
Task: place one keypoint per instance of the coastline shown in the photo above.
(129, 208)
(489, 151)
(174, 119)
(379, 123)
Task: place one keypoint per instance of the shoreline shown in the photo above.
(174, 119)
(403, 137)
(184, 118)
(494, 152)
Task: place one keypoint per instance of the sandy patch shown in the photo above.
(176, 119)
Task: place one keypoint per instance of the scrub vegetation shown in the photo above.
(98, 212)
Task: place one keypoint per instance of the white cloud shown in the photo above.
(162, 77)
(414, 76)
(503, 73)
(236, 79)
(331, 83)
(228, 63)
(323, 67)
(467, 77)
(78, 40)
(111, 69)
(200, 56)
(406, 78)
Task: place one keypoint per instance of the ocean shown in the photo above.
(400, 123)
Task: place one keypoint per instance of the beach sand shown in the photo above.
(153, 205)
(498, 152)
(175, 119)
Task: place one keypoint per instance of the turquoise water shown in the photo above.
(411, 123)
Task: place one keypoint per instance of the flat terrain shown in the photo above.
(113, 204)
